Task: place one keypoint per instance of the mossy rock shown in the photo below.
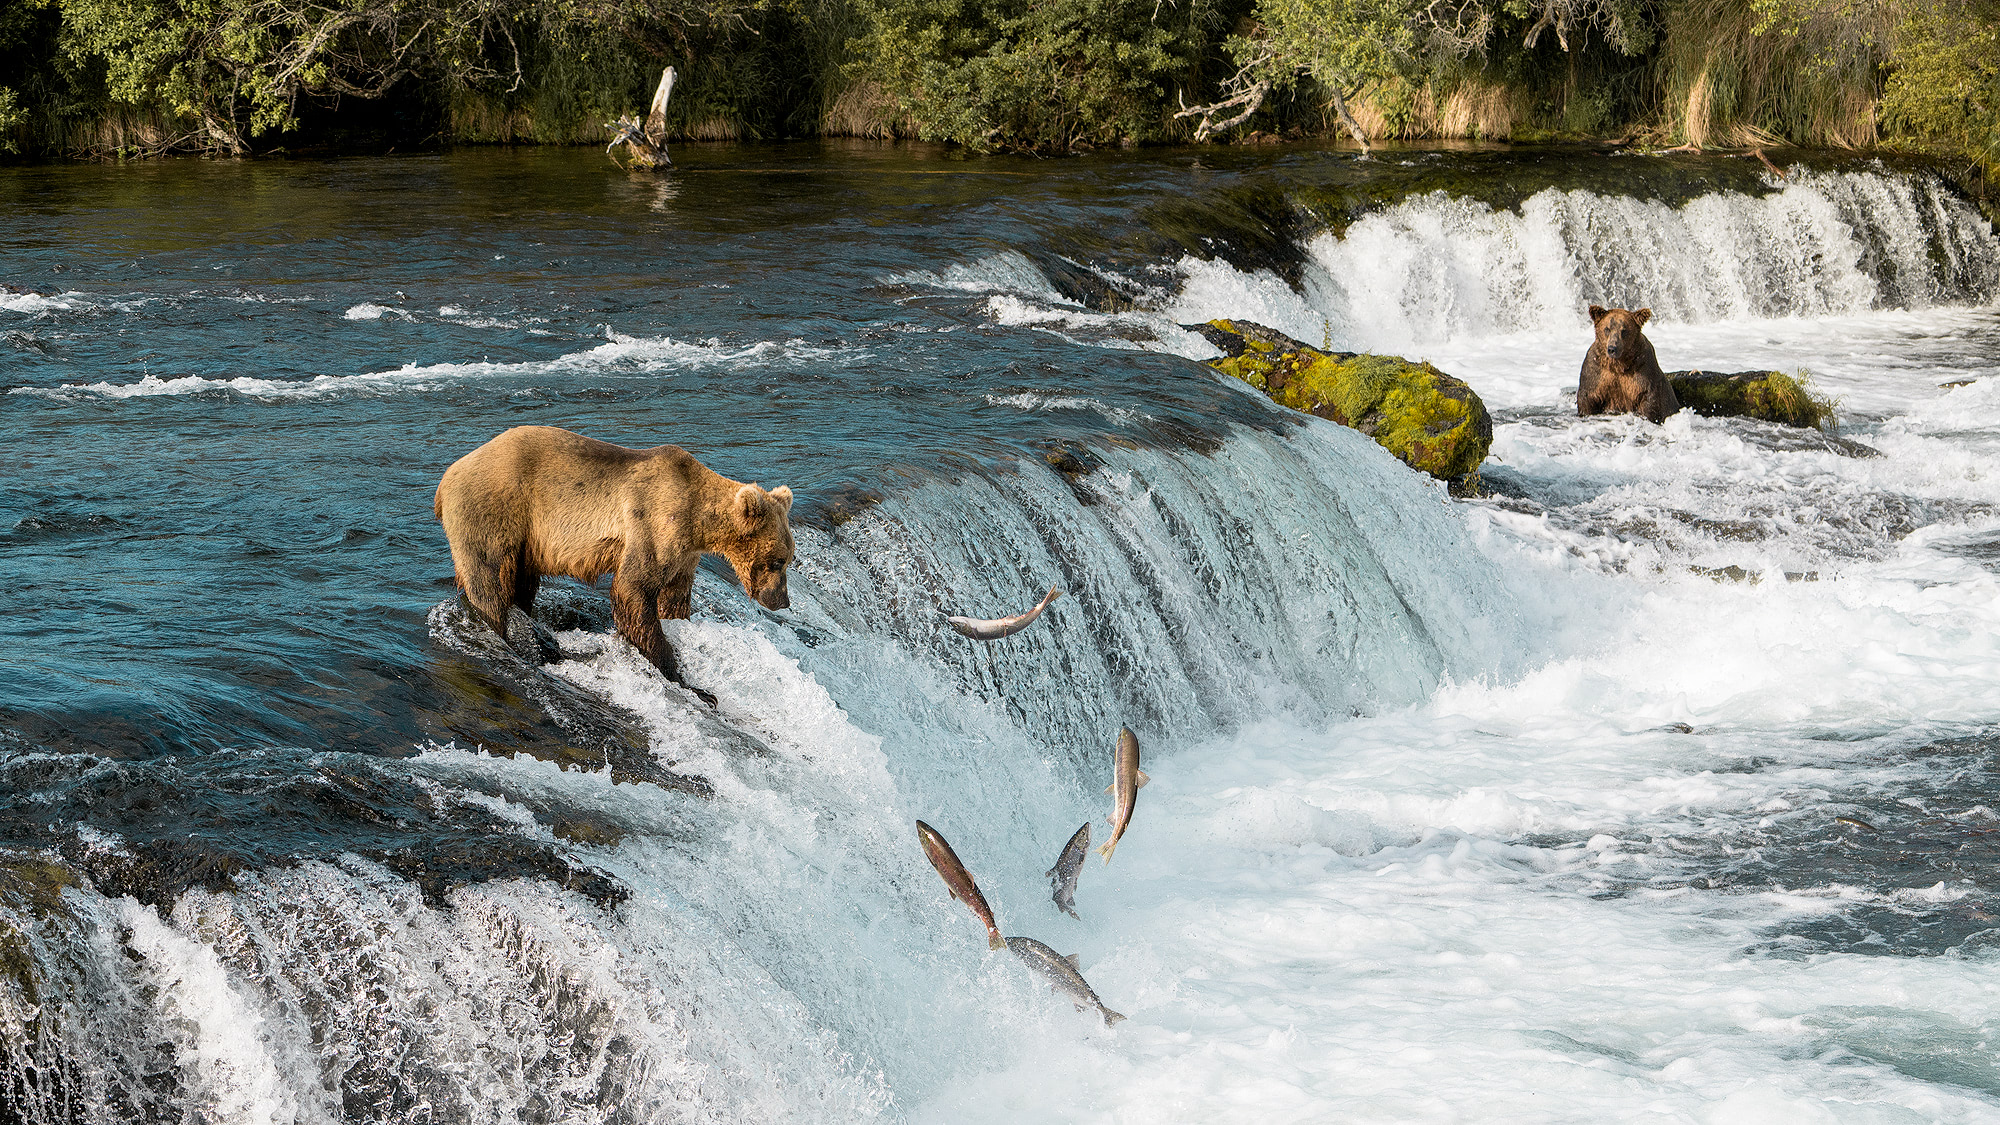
(1429, 420)
(31, 888)
(1772, 396)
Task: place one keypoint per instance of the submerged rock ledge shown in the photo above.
(1429, 420)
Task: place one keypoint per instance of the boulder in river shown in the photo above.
(1430, 420)
(1772, 396)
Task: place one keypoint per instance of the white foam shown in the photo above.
(37, 304)
(1008, 271)
(620, 353)
(222, 1049)
(1032, 402)
(367, 310)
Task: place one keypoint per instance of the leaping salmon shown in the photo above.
(1062, 877)
(959, 880)
(992, 629)
(1126, 781)
(1061, 972)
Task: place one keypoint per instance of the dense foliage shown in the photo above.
(1031, 73)
(235, 76)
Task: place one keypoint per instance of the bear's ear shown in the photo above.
(1642, 316)
(750, 506)
(1597, 313)
(783, 495)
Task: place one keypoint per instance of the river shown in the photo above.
(1655, 782)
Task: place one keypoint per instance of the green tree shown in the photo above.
(1033, 74)
(1944, 93)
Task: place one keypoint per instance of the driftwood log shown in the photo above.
(647, 140)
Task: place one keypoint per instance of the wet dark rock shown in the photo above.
(587, 828)
(1783, 438)
(437, 867)
(1431, 421)
(163, 827)
(510, 709)
(496, 699)
(1771, 396)
(836, 507)
(566, 608)
(1069, 458)
(1734, 573)
(1085, 286)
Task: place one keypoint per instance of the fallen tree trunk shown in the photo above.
(647, 140)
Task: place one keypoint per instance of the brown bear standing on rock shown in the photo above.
(538, 500)
(1621, 375)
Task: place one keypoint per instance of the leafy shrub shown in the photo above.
(1047, 75)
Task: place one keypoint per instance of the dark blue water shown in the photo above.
(256, 560)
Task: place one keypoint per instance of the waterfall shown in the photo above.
(783, 953)
(1438, 268)
(771, 946)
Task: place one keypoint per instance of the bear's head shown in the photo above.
(762, 546)
(1618, 330)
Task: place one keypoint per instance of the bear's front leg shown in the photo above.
(632, 608)
(677, 596)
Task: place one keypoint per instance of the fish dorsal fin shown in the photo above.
(1071, 958)
(1143, 779)
(1109, 788)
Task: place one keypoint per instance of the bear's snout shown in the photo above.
(775, 598)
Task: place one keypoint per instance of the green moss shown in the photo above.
(1432, 421)
(30, 887)
(1770, 395)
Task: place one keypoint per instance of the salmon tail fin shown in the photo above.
(1143, 779)
(1110, 1017)
(994, 940)
(1054, 593)
(1107, 849)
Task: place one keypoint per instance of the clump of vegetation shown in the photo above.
(1772, 396)
(1034, 75)
(1044, 76)
(1943, 95)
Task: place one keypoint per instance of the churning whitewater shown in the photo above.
(1655, 782)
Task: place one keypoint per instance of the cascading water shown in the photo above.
(1519, 803)
(1438, 269)
(793, 884)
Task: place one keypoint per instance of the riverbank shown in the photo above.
(93, 79)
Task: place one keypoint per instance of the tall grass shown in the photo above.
(1758, 72)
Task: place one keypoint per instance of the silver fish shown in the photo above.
(1126, 781)
(1062, 877)
(992, 629)
(1061, 972)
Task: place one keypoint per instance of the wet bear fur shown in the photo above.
(539, 501)
(1621, 375)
